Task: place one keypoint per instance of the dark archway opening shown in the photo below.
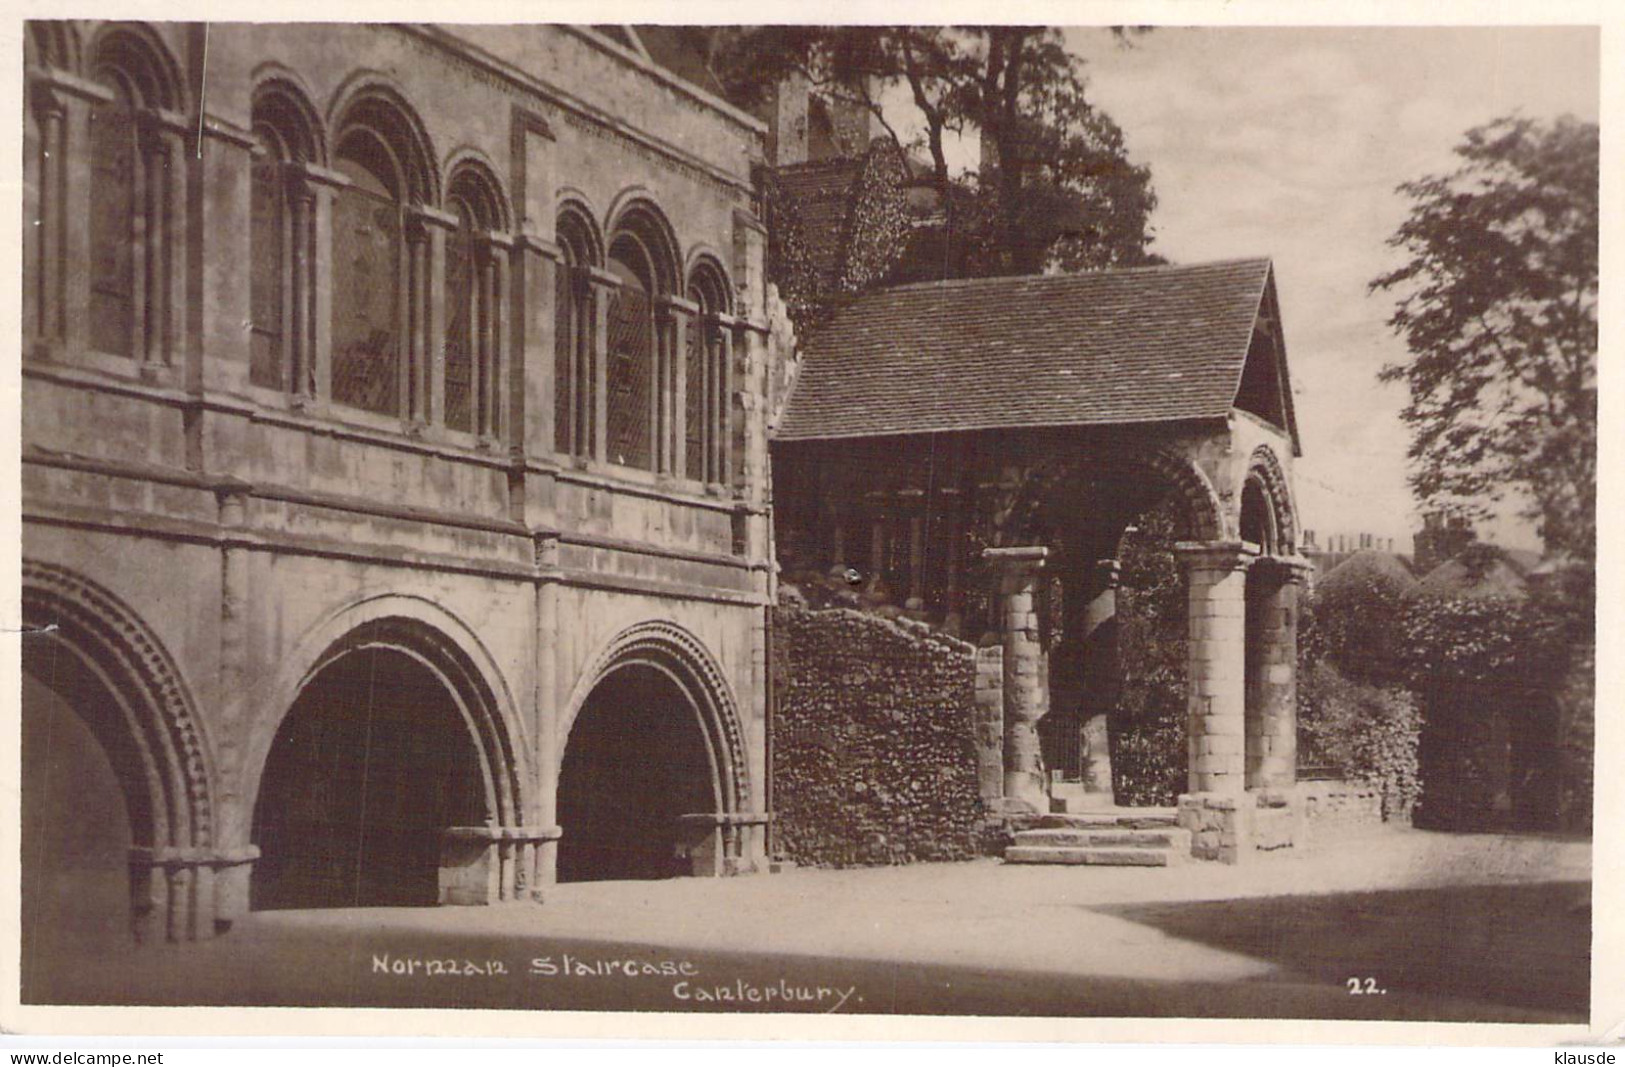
(373, 762)
(637, 758)
(80, 802)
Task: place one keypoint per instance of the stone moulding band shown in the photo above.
(168, 856)
(728, 818)
(1029, 554)
(505, 833)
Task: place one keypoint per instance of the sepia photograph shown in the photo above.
(1047, 522)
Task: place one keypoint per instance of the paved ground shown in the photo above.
(1459, 927)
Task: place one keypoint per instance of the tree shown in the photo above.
(1056, 187)
(1498, 305)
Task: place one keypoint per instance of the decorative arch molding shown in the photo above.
(707, 275)
(1202, 505)
(574, 194)
(372, 100)
(444, 645)
(282, 99)
(112, 641)
(1265, 467)
(684, 658)
(470, 172)
(576, 229)
(636, 214)
(1023, 498)
(138, 53)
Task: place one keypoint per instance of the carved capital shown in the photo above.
(1220, 556)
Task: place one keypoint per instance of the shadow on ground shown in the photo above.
(1522, 946)
(1489, 953)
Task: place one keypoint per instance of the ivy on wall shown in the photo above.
(1149, 763)
(877, 220)
(1369, 733)
(875, 225)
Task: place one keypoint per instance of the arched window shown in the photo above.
(282, 245)
(573, 374)
(706, 366)
(135, 197)
(383, 323)
(368, 289)
(115, 229)
(631, 371)
(45, 147)
(476, 269)
(641, 376)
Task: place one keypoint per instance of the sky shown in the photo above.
(1289, 142)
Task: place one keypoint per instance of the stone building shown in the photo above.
(394, 470)
(947, 439)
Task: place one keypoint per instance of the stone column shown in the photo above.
(1215, 684)
(43, 314)
(236, 701)
(1272, 693)
(1100, 661)
(317, 389)
(603, 285)
(1024, 696)
(552, 682)
(533, 385)
(301, 348)
(418, 336)
(916, 564)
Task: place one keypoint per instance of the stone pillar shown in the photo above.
(916, 563)
(1024, 695)
(1215, 685)
(313, 388)
(44, 312)
(235, 701)
(301, 348)
(550, 700)
(1100, 661)
(603, 285)
(989, 698)
(487, 864)
(415, 365)
(532, 385)
(1273, 586)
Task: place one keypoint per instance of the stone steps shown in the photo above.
(1125, 818)
(1170, 837)
(1138, 837)
(1091, 857)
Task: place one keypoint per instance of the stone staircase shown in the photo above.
(1117, 837)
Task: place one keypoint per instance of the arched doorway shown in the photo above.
(374, 761)
(77, 812)
(116, 801)
(638, 758)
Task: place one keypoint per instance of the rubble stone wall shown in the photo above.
(1333, 806)
(876, 741)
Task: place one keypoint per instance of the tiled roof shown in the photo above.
(1146, 345)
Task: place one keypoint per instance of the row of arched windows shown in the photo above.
(642, 354)
(642, 358)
